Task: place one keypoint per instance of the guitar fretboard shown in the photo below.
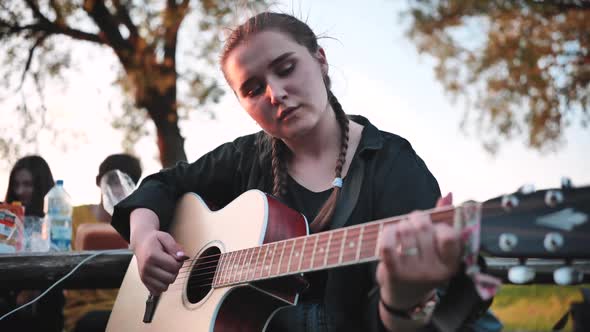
(345, 246)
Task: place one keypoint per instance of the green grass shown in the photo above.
(534, 307)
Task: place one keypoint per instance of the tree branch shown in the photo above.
(36, 11)
(49, 28)
(45, 26)
(109, 27)
(39, 41)
(123, 15)
(175, 14)
(563, 4)
(59, 18)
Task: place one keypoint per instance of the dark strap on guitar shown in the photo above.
(580, 312)
(459, 305)
(349, 195)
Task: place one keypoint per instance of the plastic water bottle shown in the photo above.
(58, 211)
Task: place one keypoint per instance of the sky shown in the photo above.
(376, 72)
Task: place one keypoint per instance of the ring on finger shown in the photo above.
(413, 251)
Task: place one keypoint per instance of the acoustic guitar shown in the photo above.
(247, 258)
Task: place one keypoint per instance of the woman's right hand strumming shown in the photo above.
(159, 257)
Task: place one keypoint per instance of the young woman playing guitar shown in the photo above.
(307, 154)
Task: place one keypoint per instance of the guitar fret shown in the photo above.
(378, 234)
(240, 266)
(264, 261)
(244, 270)
(358, 246)
(334, 249)
(291, 256)
(328, 248)
(244, 266)
(310, 252)
(273, 253)
(302, 250)
(251, 267)
(255, 268)
(226, 268)
(315, 245)
(342, 246)
(218, 270)
(281, 258)
(229, 267)
(298, 254)
(258, 273)
(320, 250)
(349, 252)
(370, 238)
(234, 269)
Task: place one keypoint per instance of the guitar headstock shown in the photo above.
(545, 224)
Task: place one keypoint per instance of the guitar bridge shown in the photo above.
(150, 308)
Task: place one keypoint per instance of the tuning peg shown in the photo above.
(553, 197)
(553, 241)
(567, 275)
(527, 188)
(507, 241)
(566, 183)
(521, 274)
(509, 202)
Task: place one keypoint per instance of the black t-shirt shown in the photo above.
(309, 204)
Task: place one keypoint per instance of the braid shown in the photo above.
(344, 125)
(326, 212)
(279, 168)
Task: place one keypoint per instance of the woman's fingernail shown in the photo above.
(180, 254)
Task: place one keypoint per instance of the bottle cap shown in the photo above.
(59, 182)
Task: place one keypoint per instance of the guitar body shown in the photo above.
(249, 221)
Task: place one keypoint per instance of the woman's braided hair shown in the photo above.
(302, 34)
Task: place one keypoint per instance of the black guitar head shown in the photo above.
(551, 223)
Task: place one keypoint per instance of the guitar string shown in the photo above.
(374, 223)
(236, 278)
(432, 212)
(370, 236)
(305, 261)
(337, 236)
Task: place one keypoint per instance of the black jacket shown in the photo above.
(395, 181)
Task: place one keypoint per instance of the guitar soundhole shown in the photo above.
(201, 276)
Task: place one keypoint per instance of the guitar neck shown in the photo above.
(331, 249)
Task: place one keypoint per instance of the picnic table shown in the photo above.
(40, 270)
(29, 270)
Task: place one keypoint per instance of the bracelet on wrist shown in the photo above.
(418, 312)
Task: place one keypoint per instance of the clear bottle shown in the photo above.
(58, 211)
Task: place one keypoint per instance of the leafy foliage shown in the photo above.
(524, 66)
(39, 41)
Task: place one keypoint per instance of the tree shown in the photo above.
(523, 65)
(36, 37)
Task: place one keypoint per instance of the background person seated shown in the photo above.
(30, 180)
(89, 310)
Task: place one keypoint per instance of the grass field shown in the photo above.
(533, 307)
